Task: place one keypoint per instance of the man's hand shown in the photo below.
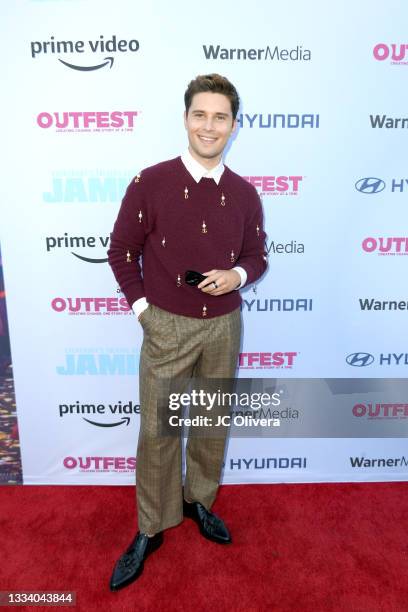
(219, 282)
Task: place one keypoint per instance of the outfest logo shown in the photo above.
(54, 48)
(88, 121)
(381, 410)
(391, 245)
(396, 53)
(267, 360)
(276, 185)
(91, 306)
(100, 464)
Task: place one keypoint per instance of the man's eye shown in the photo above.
(221, 118)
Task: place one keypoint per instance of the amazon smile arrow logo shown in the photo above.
(90, 259)
(109, 60)
(121, 422)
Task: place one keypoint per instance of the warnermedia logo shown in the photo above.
(362, 462)
(296, 54)
(389, 123)
(372, 304)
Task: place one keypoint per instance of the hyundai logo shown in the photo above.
(359, 360)
(370, 184)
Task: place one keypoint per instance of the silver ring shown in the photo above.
(215, 285)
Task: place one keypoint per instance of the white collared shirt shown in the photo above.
(198, 172)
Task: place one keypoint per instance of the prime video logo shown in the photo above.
(54, 48)
(76, 242)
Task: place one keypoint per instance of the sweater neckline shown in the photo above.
(192, 180)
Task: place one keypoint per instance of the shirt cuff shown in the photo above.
(139, 306)
(243, 275)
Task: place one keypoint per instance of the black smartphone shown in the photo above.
(194, 278)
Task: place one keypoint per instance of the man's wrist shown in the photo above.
(242, 275)
(139, 306)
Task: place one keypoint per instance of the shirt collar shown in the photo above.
(198, 171)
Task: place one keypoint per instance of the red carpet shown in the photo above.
(304, 547)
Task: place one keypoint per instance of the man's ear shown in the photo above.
(234, 126)
(185, 119)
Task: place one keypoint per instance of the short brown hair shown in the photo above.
(216, 84)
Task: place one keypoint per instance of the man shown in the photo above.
(187, 213)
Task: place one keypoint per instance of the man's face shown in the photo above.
(209, 125)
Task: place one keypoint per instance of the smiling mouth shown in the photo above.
(207, 140)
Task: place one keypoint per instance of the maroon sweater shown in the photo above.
(178, 225)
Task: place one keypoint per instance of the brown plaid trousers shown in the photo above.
(175, 348)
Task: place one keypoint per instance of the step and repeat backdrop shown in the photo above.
(93, 93)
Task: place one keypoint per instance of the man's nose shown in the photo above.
(208, 123)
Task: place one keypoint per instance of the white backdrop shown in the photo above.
(307, 98)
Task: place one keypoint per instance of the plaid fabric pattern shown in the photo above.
(177, 348)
